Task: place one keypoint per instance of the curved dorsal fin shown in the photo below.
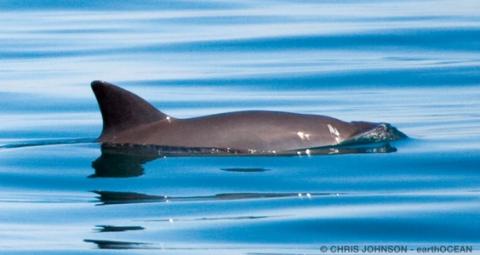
(122, 109)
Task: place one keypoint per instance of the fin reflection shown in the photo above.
(119, 165)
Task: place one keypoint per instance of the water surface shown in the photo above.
(415, 64)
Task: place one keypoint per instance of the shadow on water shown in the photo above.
(110, 228)
(115, 165)
(245, 170)
(114, 197)
(117, 245)
(122, 161)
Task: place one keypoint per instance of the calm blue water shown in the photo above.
(415, 64)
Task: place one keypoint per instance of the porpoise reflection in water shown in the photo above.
(120, 165)
(128, 161)
(128, 120)
(117, 245)
(116, 197)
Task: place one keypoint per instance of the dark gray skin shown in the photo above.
(128, 119)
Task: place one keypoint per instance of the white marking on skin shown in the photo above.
(303, 135)
(308, 195)
(334, 133)
(300, 195)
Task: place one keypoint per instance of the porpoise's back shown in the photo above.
(128, 119)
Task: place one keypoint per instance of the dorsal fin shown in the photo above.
(122, 109)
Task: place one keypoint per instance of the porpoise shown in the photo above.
(130, 120)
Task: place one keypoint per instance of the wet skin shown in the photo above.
(128, 119)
